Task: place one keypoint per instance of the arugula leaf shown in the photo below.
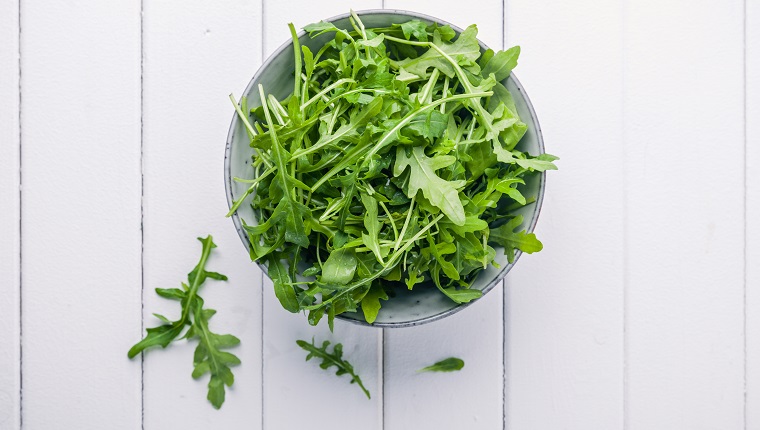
(414, 28)
(464, 49)
(332, 359)
(283, 288)
(209, 357)
(506, 236)
(451, 364)
(371, 237)
(441, 193)
(371, 302)
(339, 267)
(502, 63)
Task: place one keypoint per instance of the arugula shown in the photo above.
(209, 356)
(451, 364)
(394, 163)
(330, 359)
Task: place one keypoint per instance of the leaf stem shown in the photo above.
(297, 52)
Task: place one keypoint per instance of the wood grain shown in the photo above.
(81, 204)
(752, 195)
(10, 251)
(286, 376)
(684, 143)
(472, 398)
(196, 53)
(564, 305)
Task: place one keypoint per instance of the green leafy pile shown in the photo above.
(209, 357)
(393, 164)
(330, 359)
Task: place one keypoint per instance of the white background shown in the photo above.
(641, 313)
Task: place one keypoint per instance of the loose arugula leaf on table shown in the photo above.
(332, 359)
(209, 355)
(394, 163)
(451, 364)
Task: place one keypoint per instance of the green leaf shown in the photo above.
(208, 357)
(462, 295)
(506, 236)
(161, 336)
(502, 63)
(441, 193)
(339, 267)
(430, 125)
(464, 49)
(451, 364)
(171, 293)
(319, 28)
(371, 238)
(540, 163)
(371, 302)
(372, 43)
(308, 60)
(283, 288)
(414, 28)
(471, 224)
(332, 359)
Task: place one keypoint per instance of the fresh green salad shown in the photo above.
(393, 164)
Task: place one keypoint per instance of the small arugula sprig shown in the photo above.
(393, 164)
(334, 358)
(451, 364)
(208, 357)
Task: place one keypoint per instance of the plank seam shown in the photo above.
(142, 208)
(20, 239)
(744, 251)
(625, 238)
(381, 353)
(503, 282)
(261, 284)
(381, 378)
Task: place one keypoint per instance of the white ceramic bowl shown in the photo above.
(407, 308)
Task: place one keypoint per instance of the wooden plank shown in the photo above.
(752, 215)
(684, 144)
(425, 400)
(286, 375)
(196, 53)
(81, 205)
(564, 306)
(10, 251)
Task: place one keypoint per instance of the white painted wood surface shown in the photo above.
(564, 326)
(192, 60)
(642, 312)
(10, 229)
(684, 232)
(752, 214)
(80, 258)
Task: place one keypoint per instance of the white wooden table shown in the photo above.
(642, 312)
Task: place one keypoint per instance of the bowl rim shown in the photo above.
(537, 204)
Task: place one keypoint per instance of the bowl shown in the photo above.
(407, 308)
